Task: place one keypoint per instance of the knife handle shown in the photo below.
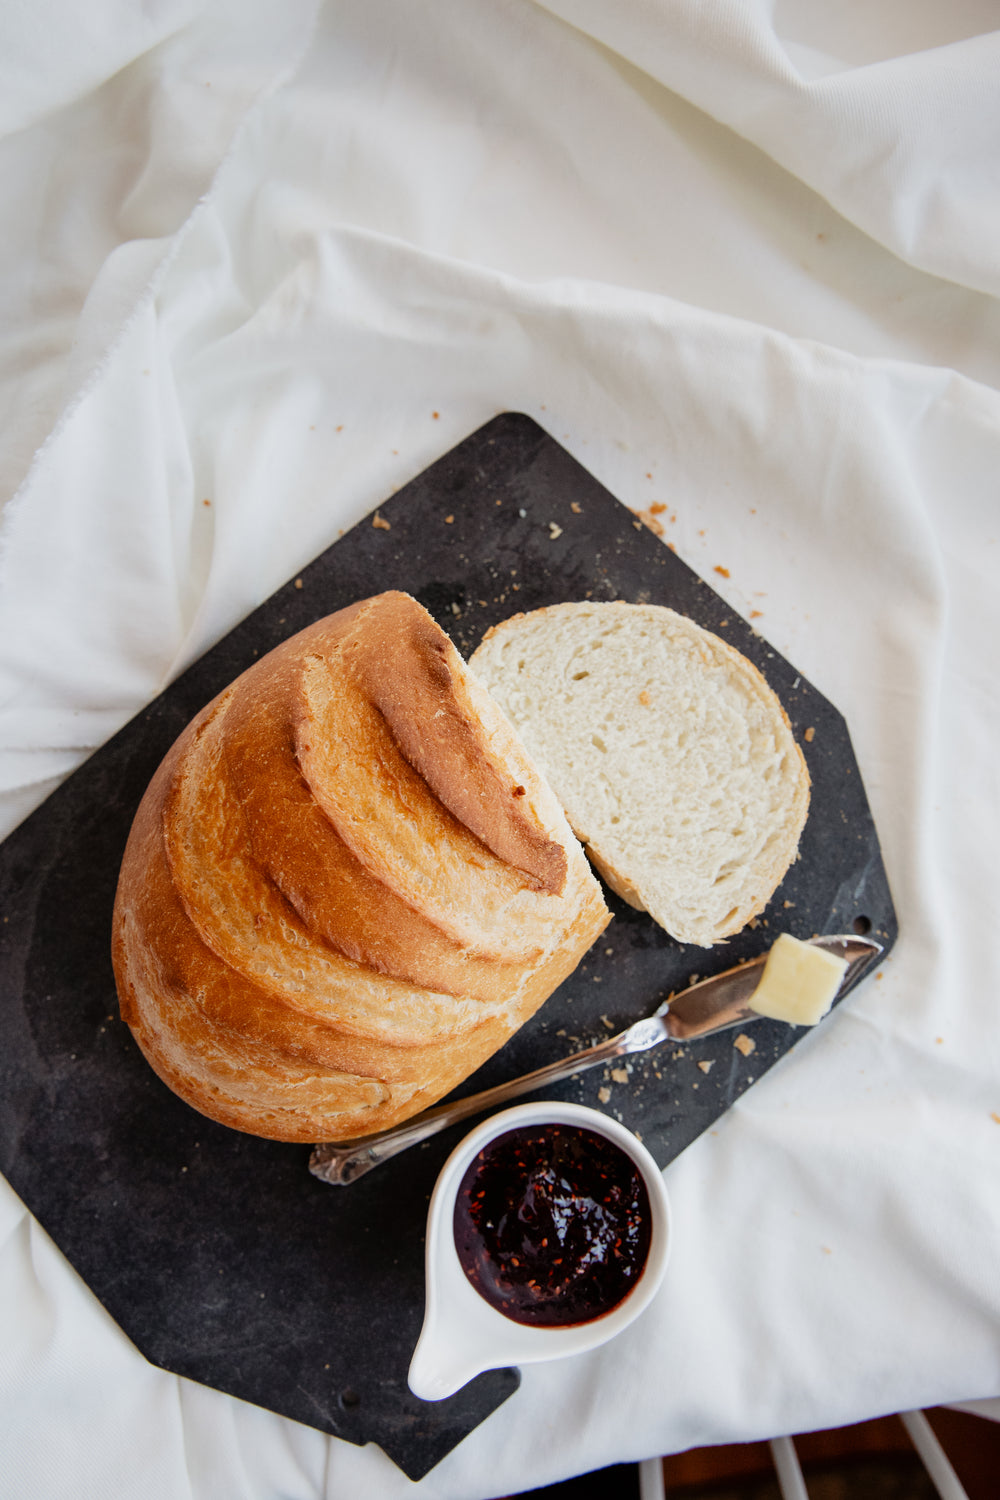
(345, 1163)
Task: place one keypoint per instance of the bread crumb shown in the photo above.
(826, 1249)
(809, 735)
(448, 520)
(620, 1075)
(994, 1117)
(380, 523)
(706, 1067)
(745, 1044)
(298, 583)
(648, 518)
(755, 614)
(603, 1094)
(435, 415)
(575, 508)
(554, 530)
(723, 571)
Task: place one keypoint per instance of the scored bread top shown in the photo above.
(327, 917)
(673, 758)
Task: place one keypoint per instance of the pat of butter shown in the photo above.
(799, 982)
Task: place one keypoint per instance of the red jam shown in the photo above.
(552, 1224)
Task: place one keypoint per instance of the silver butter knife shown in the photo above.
(712, 1005)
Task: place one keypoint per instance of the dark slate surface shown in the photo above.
(217, 1253)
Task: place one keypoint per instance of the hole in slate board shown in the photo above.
(349, 1399)
(862, 925)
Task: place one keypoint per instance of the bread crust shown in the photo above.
(310, 941)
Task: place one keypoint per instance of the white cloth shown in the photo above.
(743, 260)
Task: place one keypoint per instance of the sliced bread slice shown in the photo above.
(672, 756)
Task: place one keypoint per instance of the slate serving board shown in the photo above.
(217, 1253)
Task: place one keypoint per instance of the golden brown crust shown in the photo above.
(309, 942)
(414, 677)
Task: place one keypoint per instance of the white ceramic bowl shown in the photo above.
(462, 1334)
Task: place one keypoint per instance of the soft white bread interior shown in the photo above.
(346, 886)
(672, 756)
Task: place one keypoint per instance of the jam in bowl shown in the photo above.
(552, 1224)
(548, 1233)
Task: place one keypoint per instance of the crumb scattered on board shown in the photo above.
(745, 1044)
(650, 519)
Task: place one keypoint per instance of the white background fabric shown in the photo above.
(742, 260)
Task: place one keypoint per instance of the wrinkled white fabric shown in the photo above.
(740, 259)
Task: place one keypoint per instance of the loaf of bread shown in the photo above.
(346, 886)
(673, 758)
